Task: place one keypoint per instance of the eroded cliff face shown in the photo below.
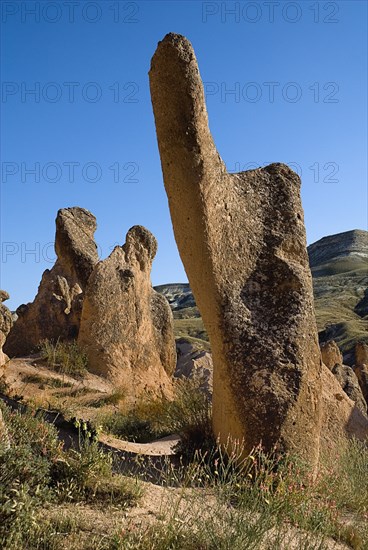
(127, 327)
(350, 245)
(242, 240)
(6, 322)
(55, 312)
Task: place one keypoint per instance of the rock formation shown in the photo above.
(361, 367)
(350, 384)
(331, 355)
(6, 322)
(127, 327)
(194, 363)
(341, 416)
(55, 312)
(242, 240)
(361, 353)
(361, 372)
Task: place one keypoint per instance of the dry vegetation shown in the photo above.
(56, 499)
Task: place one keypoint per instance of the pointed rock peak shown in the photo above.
(74, 242)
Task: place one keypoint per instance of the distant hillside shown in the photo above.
(339, 265)
(339, 253)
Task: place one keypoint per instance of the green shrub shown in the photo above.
(35, 471)
(188, 415)
(65, 357)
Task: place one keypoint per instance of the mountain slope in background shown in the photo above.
(339, 265)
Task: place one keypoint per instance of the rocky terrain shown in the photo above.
(339, 265)
(257, 426)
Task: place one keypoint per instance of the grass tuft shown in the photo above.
(65, 357)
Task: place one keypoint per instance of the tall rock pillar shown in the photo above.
(242, 240)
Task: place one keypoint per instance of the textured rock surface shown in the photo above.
(341, 416)
(55, 312)
(6, 322)
(242, 241)
(361, 372)
(331, 354)
(4, 296)
(192, 363)
(361, 353)
(361, 367)
(127, 327)
(349, 383)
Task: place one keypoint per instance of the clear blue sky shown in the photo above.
(298, 75)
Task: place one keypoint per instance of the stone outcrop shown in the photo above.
(6, 322)
(361, 353)
(350, 384)
(126, 327)
(194, 363)
(56, 310)
(242, 240)
(361, 367)
(361, 372)
(341, 417)
(331, 355)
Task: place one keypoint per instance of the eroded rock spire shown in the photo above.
(242, 240)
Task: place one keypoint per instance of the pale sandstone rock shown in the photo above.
(194, 363)
(6, 322)
(341, 417)
(331, 355)
(242, 240)
(361, 353)
(127, 327)
(350, 384)
(3, 296)
(361, 372)
(55, 312)
(361, 367)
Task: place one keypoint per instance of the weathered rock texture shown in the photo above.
(361, 353)
(331, 355)
(127, 327)
(361, 372)
(350, 384)
(194, 363)
(242, 241)
(6, 322)
(56, 310)
(341, 417)
(361, 367)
